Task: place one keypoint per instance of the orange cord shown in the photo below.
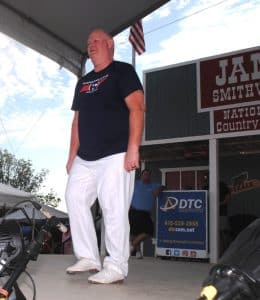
(3, 292)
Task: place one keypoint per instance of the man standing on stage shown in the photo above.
(104, 153)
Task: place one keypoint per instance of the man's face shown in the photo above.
(99, 46)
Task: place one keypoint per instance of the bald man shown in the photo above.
(104, 153)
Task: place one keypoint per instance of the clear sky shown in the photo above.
(36, 95)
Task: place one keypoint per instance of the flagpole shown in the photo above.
(133, 57)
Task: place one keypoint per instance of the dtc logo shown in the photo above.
(173, 202)
(168, 252)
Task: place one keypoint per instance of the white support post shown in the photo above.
(213, 201)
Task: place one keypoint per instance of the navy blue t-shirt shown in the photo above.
(103, 114)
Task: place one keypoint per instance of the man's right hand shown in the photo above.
(69, 165)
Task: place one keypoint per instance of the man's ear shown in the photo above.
(110, 43)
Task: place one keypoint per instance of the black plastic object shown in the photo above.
(237, 275)
(11, 246)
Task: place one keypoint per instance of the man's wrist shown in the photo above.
(133, 148)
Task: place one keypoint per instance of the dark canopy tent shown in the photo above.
(58, 28)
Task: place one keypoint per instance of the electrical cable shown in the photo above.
(29, 131)
(186, 17)
(5, 132)
(179, 19)
(13, 248)
(14, 208)
(33, 283)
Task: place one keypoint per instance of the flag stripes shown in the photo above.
(136, 37)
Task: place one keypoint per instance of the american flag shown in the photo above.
(136, 37)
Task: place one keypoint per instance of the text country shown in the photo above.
(237, 119)
(244, 125)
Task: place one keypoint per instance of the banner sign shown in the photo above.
(237, 119)
(181, 227)
(227, 80)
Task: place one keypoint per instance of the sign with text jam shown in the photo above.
(229, 80)
(182, 227)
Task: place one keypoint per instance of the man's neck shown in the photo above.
(102, 65)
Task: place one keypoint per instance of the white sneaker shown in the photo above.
(106, 276)
(83, 265)
(139, 255)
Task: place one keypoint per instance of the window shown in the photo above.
(191, 178)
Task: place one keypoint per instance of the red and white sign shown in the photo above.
(229, 80)
(237, 119)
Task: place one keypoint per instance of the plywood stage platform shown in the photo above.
(149, 278)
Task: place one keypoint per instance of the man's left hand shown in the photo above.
(132, 160)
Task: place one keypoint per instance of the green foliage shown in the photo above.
(50, 199)
(19, 173)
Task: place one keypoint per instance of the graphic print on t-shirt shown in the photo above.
(92, 86)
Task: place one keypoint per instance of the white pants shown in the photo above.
(107, 180)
